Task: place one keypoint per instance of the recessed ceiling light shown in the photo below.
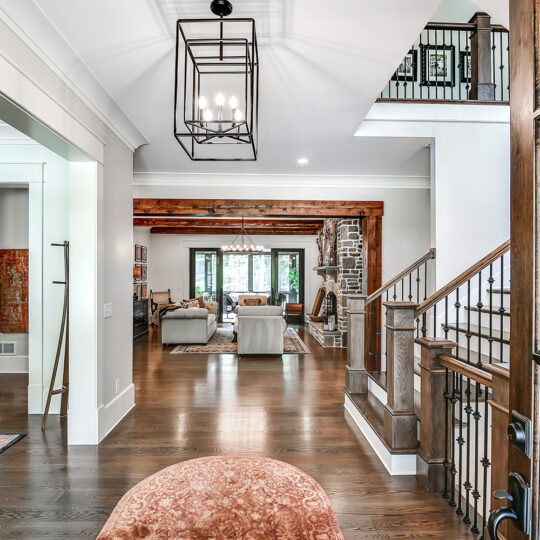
(303, 161)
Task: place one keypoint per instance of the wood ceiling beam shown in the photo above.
(232, 231)
(294, 224)
(256, 208)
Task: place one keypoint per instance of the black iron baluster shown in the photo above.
(413, 65)
(371, 353)
(426, 66)
(480, 306)
(446, 317)
(461, 442)
(448, 67)
(485, 463)
(395, 294)
(420, 54)
(501, 67)
(490, 337)
(494, 75)
(436, 70)
(476, 492)
(453, 469)
(418, 300)
(459, 63)
(410, 287)
(457, 305)
(468, 59)
(502, 311)
(386, 335)
(508, 64)
(467, 485)
(468, 334)
(402, 289)
(451, 46)
(435, 321)
(424, 315)
(446, 411)
(380, 307)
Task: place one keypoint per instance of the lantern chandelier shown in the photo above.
(216, 94)
(245, 245)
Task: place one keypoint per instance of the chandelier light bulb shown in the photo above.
(220, 100)
(233, 102)
(237, 115)
(207, 115)
(203, 102)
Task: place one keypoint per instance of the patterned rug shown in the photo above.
(233, 497)
(9, 439)
(221, 342)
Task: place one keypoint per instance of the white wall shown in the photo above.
(75, 131)
(406, 220)
(14, 235)
(169, 263)
(470, 182)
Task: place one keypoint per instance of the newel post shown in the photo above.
(430, 464)
(355, 372)
(399, 414)
(482, 87)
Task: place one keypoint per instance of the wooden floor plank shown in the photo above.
(190, 406)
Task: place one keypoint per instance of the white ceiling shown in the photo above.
(322, 66)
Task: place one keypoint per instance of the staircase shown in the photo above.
(444, 356)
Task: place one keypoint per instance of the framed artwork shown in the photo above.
(438, 65)
(137, 272)
(138, 253)
(465, 67)
(144, 291)
(144, 253)
(144, 271)
(139, 291)
(407, 70)
(134, 291)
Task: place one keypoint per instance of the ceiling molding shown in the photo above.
(87, 87)
(280, 180)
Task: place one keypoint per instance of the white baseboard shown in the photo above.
(13, 364)
(111, 414)
(395, 464)
(35, 403)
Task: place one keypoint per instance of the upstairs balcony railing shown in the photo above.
(455, 62)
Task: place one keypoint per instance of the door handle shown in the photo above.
(518, 510)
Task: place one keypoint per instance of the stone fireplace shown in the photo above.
(341, 279)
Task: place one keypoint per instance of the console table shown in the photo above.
(140, 318)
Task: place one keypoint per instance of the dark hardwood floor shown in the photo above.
(198, 405)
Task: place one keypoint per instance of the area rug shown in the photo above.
(9, 439)
(233, 497)
(221, 342)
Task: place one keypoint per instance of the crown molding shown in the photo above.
(57, 54)
(280, 180)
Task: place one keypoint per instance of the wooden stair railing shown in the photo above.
(405, 286)
(457, 433)
(476, 65)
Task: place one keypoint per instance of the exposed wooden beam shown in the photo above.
(256, 208)
(231, 230)
(294, 224)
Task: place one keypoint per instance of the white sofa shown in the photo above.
(260, 329)
(194, 325)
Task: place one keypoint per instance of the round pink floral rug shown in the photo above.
(225, 497)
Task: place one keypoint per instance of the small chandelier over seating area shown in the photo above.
(217, 86)
(242, 243)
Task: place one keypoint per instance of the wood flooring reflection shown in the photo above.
(199, 405)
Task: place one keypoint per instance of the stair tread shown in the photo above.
(506, 290)
(373, 412)
(482, 331)
(494, 310)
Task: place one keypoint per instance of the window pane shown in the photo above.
(235, 272)
(261, 272)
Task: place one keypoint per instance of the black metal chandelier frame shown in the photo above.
(247, 247)
(227, 56)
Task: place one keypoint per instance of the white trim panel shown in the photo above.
(395, 464)
(13, 364)
(110, 415)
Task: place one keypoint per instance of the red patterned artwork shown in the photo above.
(13, 290)
(225, 497)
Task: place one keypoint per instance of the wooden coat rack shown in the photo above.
(64, 332)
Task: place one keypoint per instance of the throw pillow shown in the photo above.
(191, 304)
(195, 302)
(252, 301)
